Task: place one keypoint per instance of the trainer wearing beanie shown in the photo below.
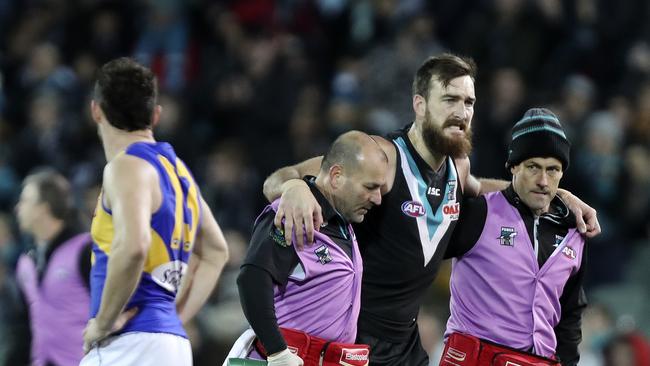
(518, 267)
(538, 133)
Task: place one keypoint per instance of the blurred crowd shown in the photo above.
(248, 86)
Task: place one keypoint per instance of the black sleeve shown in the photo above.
(256, 296)
(268, 260)
(84, 264)
(473, 212)
(15, 316)
(269, 252)
(568, 331)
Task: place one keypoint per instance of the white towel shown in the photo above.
(242, 346)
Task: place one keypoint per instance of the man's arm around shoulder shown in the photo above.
(472, 186)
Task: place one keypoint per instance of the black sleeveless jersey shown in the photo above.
(403, 241)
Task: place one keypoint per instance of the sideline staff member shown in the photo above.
(519, 261)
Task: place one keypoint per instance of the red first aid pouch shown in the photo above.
(316, 351)
(467, 350)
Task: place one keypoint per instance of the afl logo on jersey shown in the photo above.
(569, 252)
(413, 209)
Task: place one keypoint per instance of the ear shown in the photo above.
(96, 111)
(513, 169)
(419, 106)
(156, 115)
(336, 176)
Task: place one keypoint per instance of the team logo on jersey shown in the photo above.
(169, 275)
(452, 210)
(433, 191)
(323, 254)
(451, 188)
(558, 240)
(507, 237)
(354, 357)
(278, 237)
(413, 209)
(569, 252)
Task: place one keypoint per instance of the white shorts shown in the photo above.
(141, 349)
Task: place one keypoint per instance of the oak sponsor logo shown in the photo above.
(354, 357)
(452, 210)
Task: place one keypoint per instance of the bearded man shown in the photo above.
(403, 241)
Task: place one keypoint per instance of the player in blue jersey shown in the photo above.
(403, 241)
(157, 249)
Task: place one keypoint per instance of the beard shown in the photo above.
(438, 143)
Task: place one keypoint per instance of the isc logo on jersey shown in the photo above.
(413, 209)
(354, 357)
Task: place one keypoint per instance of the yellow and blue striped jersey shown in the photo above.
(173, 232)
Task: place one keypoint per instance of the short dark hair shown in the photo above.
(54, 190)
(445, 67)
(343, 151)
(126, 92)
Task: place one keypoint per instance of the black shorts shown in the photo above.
(385, 353)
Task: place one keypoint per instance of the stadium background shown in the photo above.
(249, 86)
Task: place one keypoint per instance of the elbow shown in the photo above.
(241, 279)
(225, 254)
(140, 251)
(137, 255)
(267, 188)
(216, 254)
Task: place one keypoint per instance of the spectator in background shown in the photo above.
(54, 277)
(386, 72)
(637, 183)
(9, 183)
(45, 70)
(166, 33)
(14, 321)
(627, 349)
(231, 185)
(600, 159)
(640, 129)
(577, 100)
(44, 140)
(506, 103)
(307, 132)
